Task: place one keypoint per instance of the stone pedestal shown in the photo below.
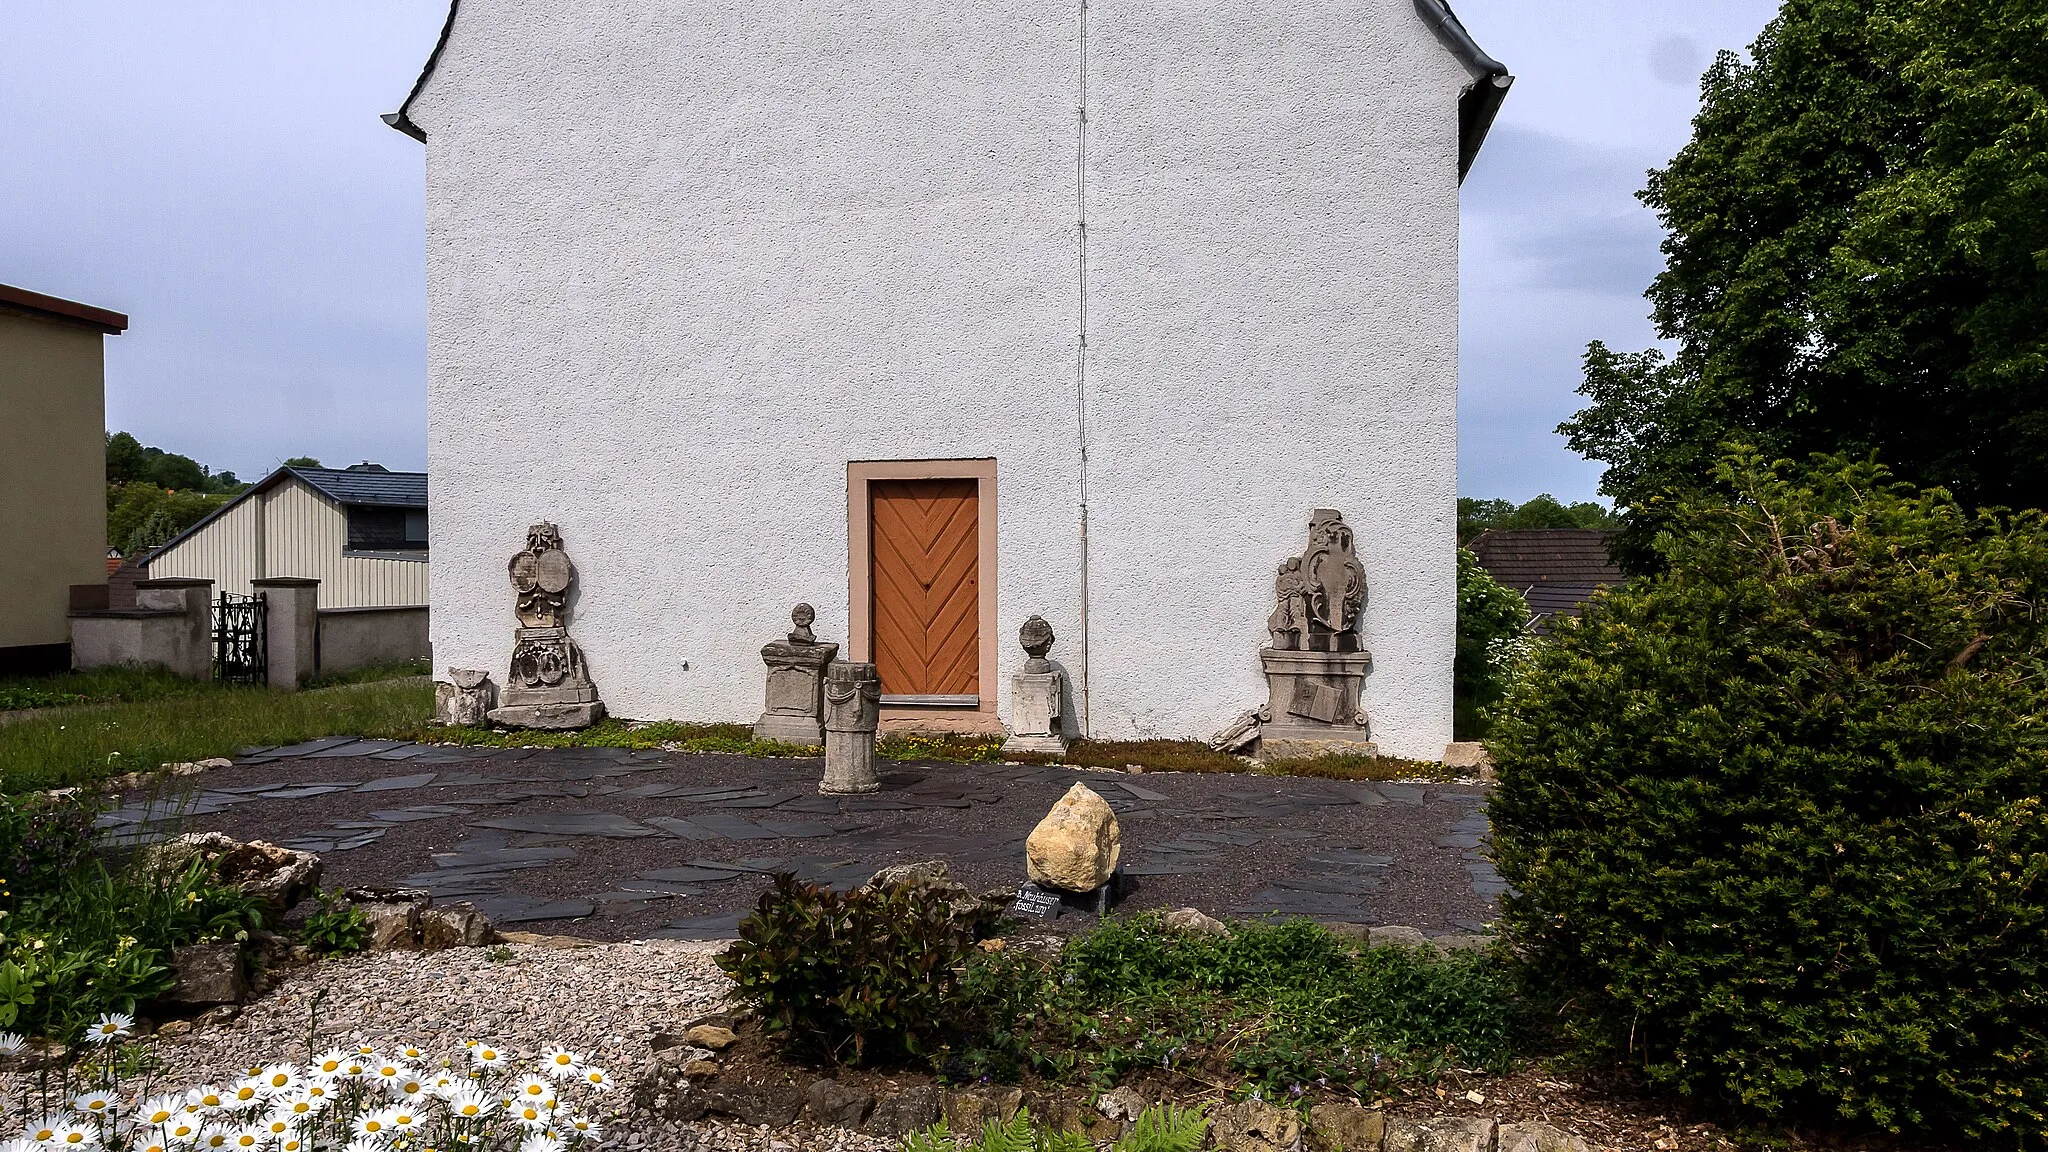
(796, 684)
(547, 687)
(1035, 713)
(464, 700)
(853, 710)
(291, 629)
(1313, 701)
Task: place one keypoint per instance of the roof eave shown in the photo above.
(402, 119)
(1481, 101)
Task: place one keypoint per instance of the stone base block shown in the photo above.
(789, 730)
(551, 716)
(1281, 743)
(1050, 745)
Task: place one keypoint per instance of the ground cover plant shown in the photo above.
(1159, 1128)
(482, 1098)
(95, 686)
(1287, 1009)
(1773, 819)
(73, 748)
(79, 937)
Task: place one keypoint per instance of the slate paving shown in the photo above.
(621, 844)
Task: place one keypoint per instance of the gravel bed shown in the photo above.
(605, 1001)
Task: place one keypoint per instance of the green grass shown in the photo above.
(67, 748)
(95, 686)
(373, 673)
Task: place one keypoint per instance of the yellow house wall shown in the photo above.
(292, 530)
(53, 474)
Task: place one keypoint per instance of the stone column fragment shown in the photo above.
(853, 710)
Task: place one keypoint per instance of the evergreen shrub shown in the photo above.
(1773, 819)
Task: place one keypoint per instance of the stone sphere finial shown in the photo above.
(802, 616)
(1036, 636)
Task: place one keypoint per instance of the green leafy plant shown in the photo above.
(335, 926)
(864, 977)
(1159, 1128)
(1492, 621)
(1773, 819)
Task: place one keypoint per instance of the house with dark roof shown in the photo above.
(361, 531)
(1555, 569)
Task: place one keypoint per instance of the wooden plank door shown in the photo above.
(925, 549)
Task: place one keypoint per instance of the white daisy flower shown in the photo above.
(276, 1125)
(375, 1125)
(72, 1136)
(329, 1063)
(468, 1103)
(214, 1138)
(445, 1084)
(541, 1142)
(279, 1079)
(582, 1128)
(183, 1128)
(247, 1093)
(207, 1098)
(405, 1119)
(247, 1139)
(110, 1027)
(150, 1144)
(365, 1144)
(11, 1042)
(528, 1115)
(389, 1073)
(366, 1051)
(413, 1086)
(291, 1143)
(532, 1088)
(597, 1078)
(561, 1063)
(160, 1110)
(488, 1056)
(301, 1106)
(355, 1066)
(321, 1089)
(44, 1130)
(411, 1052)
(95, 1103)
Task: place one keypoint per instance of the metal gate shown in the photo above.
(238, 640)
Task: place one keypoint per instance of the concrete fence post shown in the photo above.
(291, 629)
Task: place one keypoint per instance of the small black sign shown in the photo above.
(1036, 903)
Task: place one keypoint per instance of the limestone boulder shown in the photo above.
(281, 877)
(1122, 1104)
(1536, 1136)
(972, 1109)
(1337, 1127)
(1195, 921)
(1076, 847)
(206, 974)
(1440, 1134)
(453, 926)
(1255, 1126)
(393, 927)
(838, 1105)
(910, 1110)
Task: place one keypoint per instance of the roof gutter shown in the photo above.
(402, 119)
(1490, 80)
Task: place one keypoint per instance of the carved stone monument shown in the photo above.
(464, 699)
(1315, 669)
(1035, 695)
(796, 684)
(548, 686)
(853, 710)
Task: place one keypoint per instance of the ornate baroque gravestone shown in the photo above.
(1315, 669)
(1035, 695)
(796, 684)
(548, 686)
(853, 710)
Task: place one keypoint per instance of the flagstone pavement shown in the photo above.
(617, 844)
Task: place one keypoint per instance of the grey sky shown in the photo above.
(217, 170)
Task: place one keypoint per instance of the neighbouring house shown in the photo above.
(53, 470)
(937, 320)
(360, 531)
(1555, 569)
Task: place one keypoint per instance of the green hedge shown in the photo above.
(1773, 819)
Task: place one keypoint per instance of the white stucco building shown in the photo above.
(1036, 307)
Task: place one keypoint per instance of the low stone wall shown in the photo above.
(360, 637)
(171, 625)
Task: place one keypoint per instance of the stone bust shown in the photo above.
(1036, 636)
(803, 616)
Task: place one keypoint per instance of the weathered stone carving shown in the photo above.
(796, 683)
(1315, 668)
(1035, 695)
(464, 699)
(853, 710)
(1320, 592)
(548, 686)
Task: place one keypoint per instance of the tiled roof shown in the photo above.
(367, 486)
(1555, 569)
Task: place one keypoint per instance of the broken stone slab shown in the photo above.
(453, 926)
(1077, 846)
(1122, 1104)
(911, 1110)
(1468, 756)
(393, 927)
(971, 1109)
(838, 1105)
(1536, 1136)
(772, 1105)
(1395, 936)
(465, 699)
(1440, 1134)
(280, 877)
(206, 974)
(1346, 1128)
(1255, 1126)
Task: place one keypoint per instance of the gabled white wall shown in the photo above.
(686, 261)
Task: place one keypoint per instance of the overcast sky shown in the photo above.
(217, 170)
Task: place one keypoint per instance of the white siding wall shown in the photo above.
(292, 530)
(727, 247)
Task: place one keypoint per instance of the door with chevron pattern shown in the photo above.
(925, 549)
